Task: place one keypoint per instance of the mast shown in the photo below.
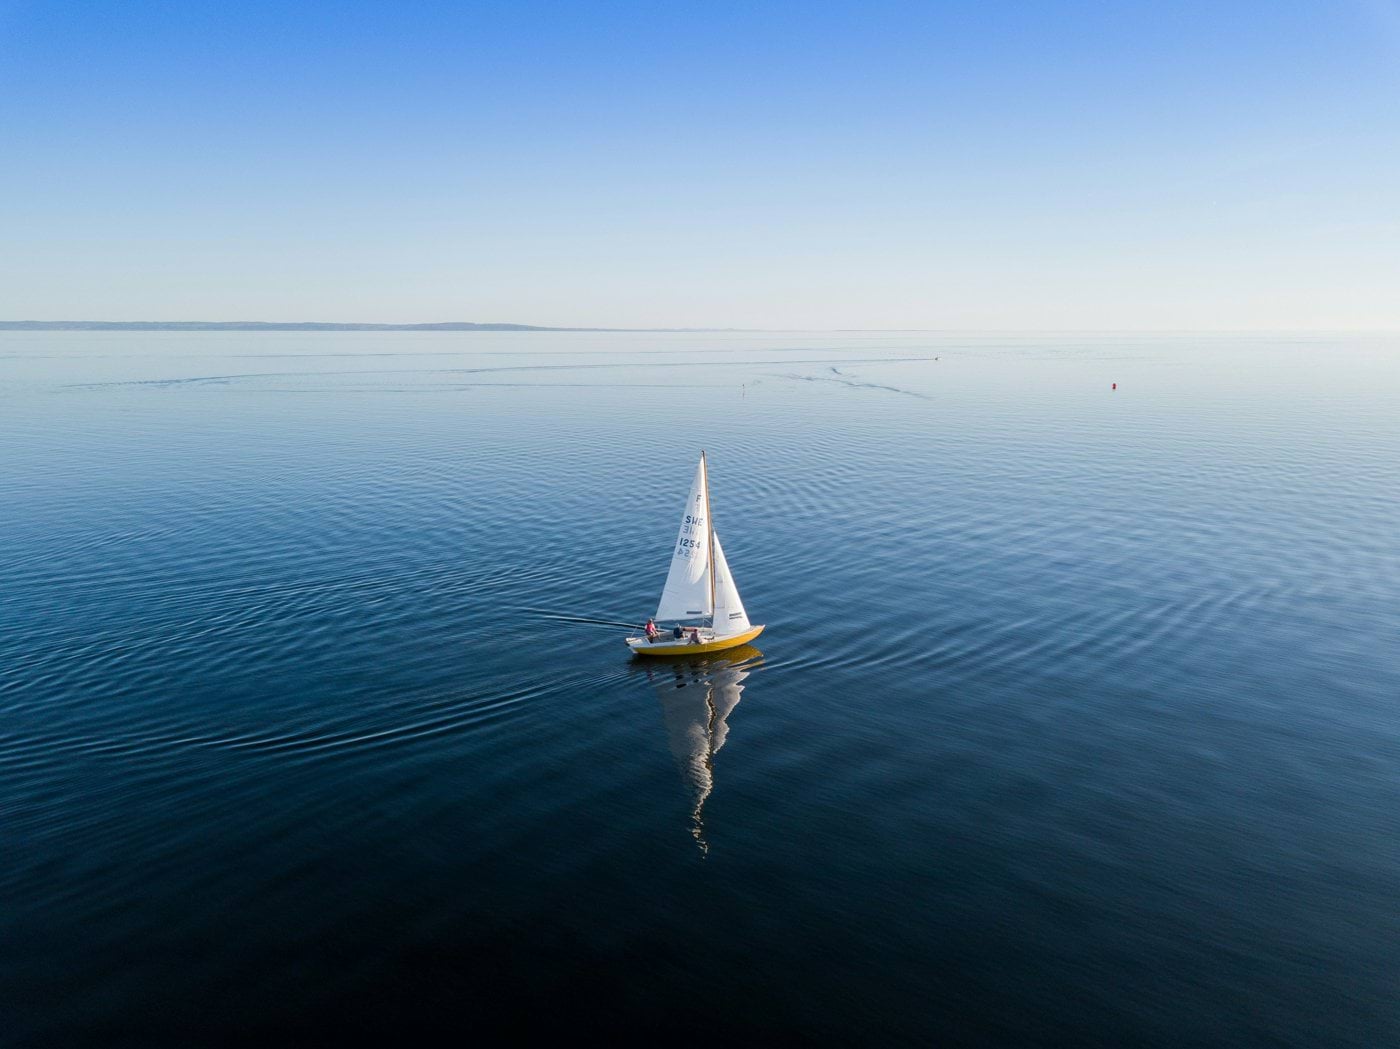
(709, 537)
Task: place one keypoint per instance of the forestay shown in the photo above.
(730, 617)
(687, 591)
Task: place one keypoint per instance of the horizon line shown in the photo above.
(468, 326)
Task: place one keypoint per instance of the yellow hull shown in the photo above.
(686, 648)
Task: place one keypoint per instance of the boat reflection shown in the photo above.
(697, 696)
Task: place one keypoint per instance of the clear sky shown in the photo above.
(1221, 164)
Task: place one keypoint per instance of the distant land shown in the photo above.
(294, 326)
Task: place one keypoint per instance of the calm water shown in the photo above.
(1076, 719)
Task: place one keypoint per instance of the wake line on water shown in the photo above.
(640, 354)
(540, 613)
(195, 380)
(450, 387)
(857, 384)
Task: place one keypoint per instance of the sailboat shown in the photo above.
(699, 589)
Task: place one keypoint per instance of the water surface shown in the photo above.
(1075, 721)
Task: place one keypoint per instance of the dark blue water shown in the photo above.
(1076, 721)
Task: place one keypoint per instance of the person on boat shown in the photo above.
(678, 633)
(652, 632)
(695, 635)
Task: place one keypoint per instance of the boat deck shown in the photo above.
(666, 645)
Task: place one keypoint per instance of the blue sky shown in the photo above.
(874, 165)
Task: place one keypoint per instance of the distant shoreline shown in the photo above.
(272, 326)
(296, 326)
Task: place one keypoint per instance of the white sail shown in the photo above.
(730, 617)
(687, 591)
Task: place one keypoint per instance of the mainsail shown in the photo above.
(730, 617)
(687, 591)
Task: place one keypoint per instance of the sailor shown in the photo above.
(678, 633)
(652, 632)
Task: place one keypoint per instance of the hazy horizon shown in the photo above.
(429, 327)
(506, 327)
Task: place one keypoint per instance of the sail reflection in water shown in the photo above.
(697, 696)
